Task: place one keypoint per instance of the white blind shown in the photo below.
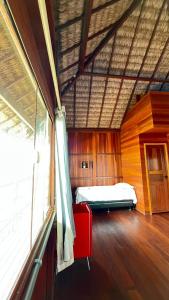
(16, 173)
(23, 205)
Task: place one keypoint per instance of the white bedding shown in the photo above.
(119, 191)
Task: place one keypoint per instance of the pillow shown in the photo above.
(124, 185)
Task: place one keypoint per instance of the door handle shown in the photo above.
(165, 176)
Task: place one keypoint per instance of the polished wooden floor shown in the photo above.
(130, 260)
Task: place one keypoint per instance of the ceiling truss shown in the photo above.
(85, 60)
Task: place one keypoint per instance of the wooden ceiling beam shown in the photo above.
(158, 62)
(127, 77)
(79, 18)
(58, 47)
(145, 56)
(127, 61)
(69, 67)
(90, 91)
(105, 88)
(165, 81)
(70, 49)
(113, 30)
(104, 41)
(74, 106)
(88, 4)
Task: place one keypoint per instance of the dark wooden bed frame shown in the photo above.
(111, 204)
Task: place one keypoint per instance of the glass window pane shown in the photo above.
(25, 131)
(17, 130)
(42, 167)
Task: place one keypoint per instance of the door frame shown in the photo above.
(146, 165)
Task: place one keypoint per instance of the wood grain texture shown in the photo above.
(131, 166)
(160, 111)
(130, 260)
(150, 114)
(147, 122)
(157, 177)
(149, 138)
(101, 150)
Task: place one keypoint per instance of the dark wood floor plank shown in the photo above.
(130, 260)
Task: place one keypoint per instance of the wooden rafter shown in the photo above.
(106, 82)
(90, 90)
(127, 77)
(69, 67)
(70, 49)
(165, 81)
(158, 62)
(104, 41)
(74, 106)
(145, 56)
(127, 61)
(113, 30)
(84, 32)
(91, 37)
(79, 18)
(58, 46)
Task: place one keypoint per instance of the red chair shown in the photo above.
(83, 225)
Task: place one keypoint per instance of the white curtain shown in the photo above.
(65, 222)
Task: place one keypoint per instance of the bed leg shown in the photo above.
(108, 210)
(130, 208)
(88, 263)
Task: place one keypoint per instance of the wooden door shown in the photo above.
(157, 177)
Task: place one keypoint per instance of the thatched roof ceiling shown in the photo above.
(100, 81)
(18, 89)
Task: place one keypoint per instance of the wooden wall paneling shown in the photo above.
(104, 142)
(140, 116)
(160, 110)
(108, 156)
(72, 142)
(147, 122)
(76, 170)
(131, 166)
(106, 165)
(102, 150)
(94, 143)
(77, 182)
(106, 180)
(150, 114)
(84, 142)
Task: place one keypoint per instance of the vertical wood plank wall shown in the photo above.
(131, 165)
(101, 150)
(134, 164)
(147, 122)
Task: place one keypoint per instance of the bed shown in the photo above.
(113, 196)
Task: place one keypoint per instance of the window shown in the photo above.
(25, 130)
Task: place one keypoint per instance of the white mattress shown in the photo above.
(119, 191)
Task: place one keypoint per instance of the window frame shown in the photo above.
(17, 290)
